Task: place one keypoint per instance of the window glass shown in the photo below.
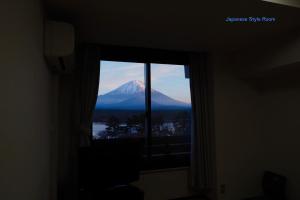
(171, 111)
(120, 107)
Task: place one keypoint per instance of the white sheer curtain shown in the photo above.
(202, 168)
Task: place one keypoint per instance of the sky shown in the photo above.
(168, 79)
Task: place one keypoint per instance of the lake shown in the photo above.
(98, 127)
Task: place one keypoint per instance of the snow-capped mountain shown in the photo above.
(131, 95)
(129, 88)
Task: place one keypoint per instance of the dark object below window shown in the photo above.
(166, 161)
(109, 165)
(114, 193)
(273, 187)
(120, 192)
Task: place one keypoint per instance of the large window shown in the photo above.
(146, 101)
(120, 107)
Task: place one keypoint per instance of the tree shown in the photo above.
(137, 121)
(112, 124)
(157, 121)
(181, 120)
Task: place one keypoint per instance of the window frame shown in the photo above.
(148, 57)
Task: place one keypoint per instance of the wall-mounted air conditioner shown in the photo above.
(59, 46)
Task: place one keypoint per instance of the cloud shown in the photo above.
(160, 71)
(120, 73)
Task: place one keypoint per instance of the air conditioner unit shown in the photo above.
(59, 46)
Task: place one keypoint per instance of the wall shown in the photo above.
(257, 130)
(238, 140)
(273, 54)
(281, 128)
(279, 108)
(24, 103)
(162, 185)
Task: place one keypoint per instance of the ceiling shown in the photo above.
(294, 3)
(191, 25)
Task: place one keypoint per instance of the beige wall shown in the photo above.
(24, 103)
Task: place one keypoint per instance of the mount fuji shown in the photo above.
(131, 96)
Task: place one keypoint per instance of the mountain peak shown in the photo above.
(131, 95)
(136, 83)
(131, 87)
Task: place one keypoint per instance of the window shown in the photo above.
(170, 116)
(120, 106)
(161, 116)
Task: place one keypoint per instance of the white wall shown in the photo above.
(24, 103)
